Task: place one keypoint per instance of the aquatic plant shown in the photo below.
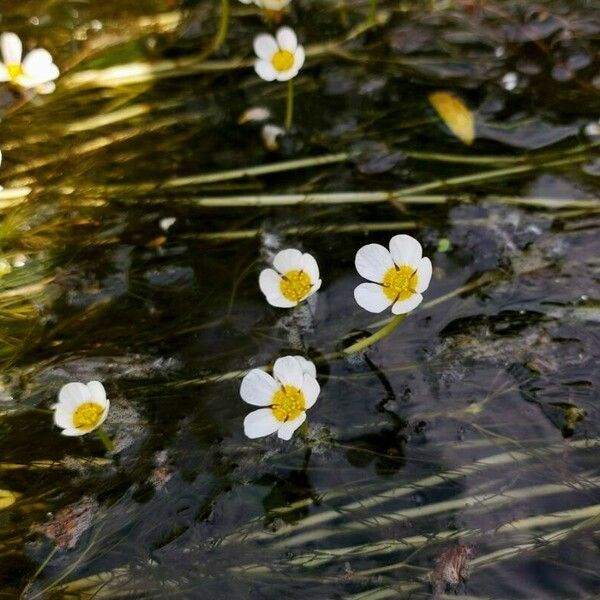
(294, 278)
(287, 395)
(36, 71)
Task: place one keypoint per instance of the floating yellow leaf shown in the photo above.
(7, 498)
(455, 114)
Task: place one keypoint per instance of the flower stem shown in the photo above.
(103, 437)
(223, 25)
(372, 11)
(289, 109)
(375, 337)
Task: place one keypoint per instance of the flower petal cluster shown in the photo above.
(399, 275)
(81, 408)
(36, 71)
(294, 278)
(284, 397)
(280, 57)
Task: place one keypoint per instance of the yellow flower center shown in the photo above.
(288, 403)
(282, 60)
(294, 285)
(14, 71)
(400, 283)
(87, 416)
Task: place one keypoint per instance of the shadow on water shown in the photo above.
(468, 437)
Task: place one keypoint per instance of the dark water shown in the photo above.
(474, 424)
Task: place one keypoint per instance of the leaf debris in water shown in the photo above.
(455, 114)
(451, 568)
(69, 523)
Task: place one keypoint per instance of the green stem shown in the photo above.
(375, 337)
(372, 11)
(289, 108)
(103, 437)
(223, 25)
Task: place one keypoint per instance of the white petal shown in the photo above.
(287, 371)
(73, 432)
(424, 271)
(265, 70)
(48, 74)
(258, 388)
(269, 282)
(63, 417)
(280, 301)
(405, 306)
(46, 88)
(286, 75)
(316, 286)
(276, 5)
(12, 48)
(37, 64)
(25, 82)
(307, 366)
(260, 423)
(74, 394)
(288, 260)
(311, 390)
(265, 46)
(4, 76)
(299, 58)
(98, 392)
(286, 39)
(104, 415)
(373, 261)
(370, 296)
(287, 429)
(405, 250)
(310, 267)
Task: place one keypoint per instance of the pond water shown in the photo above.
(458, 455)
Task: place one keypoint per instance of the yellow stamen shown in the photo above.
(282, 60)
(87, 416)
(14, 71)
(288, 403)
(295, 285)
(400, 283)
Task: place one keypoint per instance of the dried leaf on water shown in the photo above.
(7, 498)
(455, 114)
(451, 568)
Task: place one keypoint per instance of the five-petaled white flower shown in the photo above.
(37, 70)
(285, 397)
(401, 275)
(294, 278)
(81, 408)
(280, 57)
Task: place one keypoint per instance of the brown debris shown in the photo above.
(69, 523)
(451, 568)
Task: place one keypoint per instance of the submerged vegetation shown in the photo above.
(176, 226)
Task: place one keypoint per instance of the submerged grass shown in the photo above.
(124, 273)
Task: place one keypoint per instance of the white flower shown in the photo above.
(592, 129)
(270, 135)
(254, 114)
(401, 275)
(35, 71)
(81, 408)
(294, 278)
(285, 397)
(280, 57)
